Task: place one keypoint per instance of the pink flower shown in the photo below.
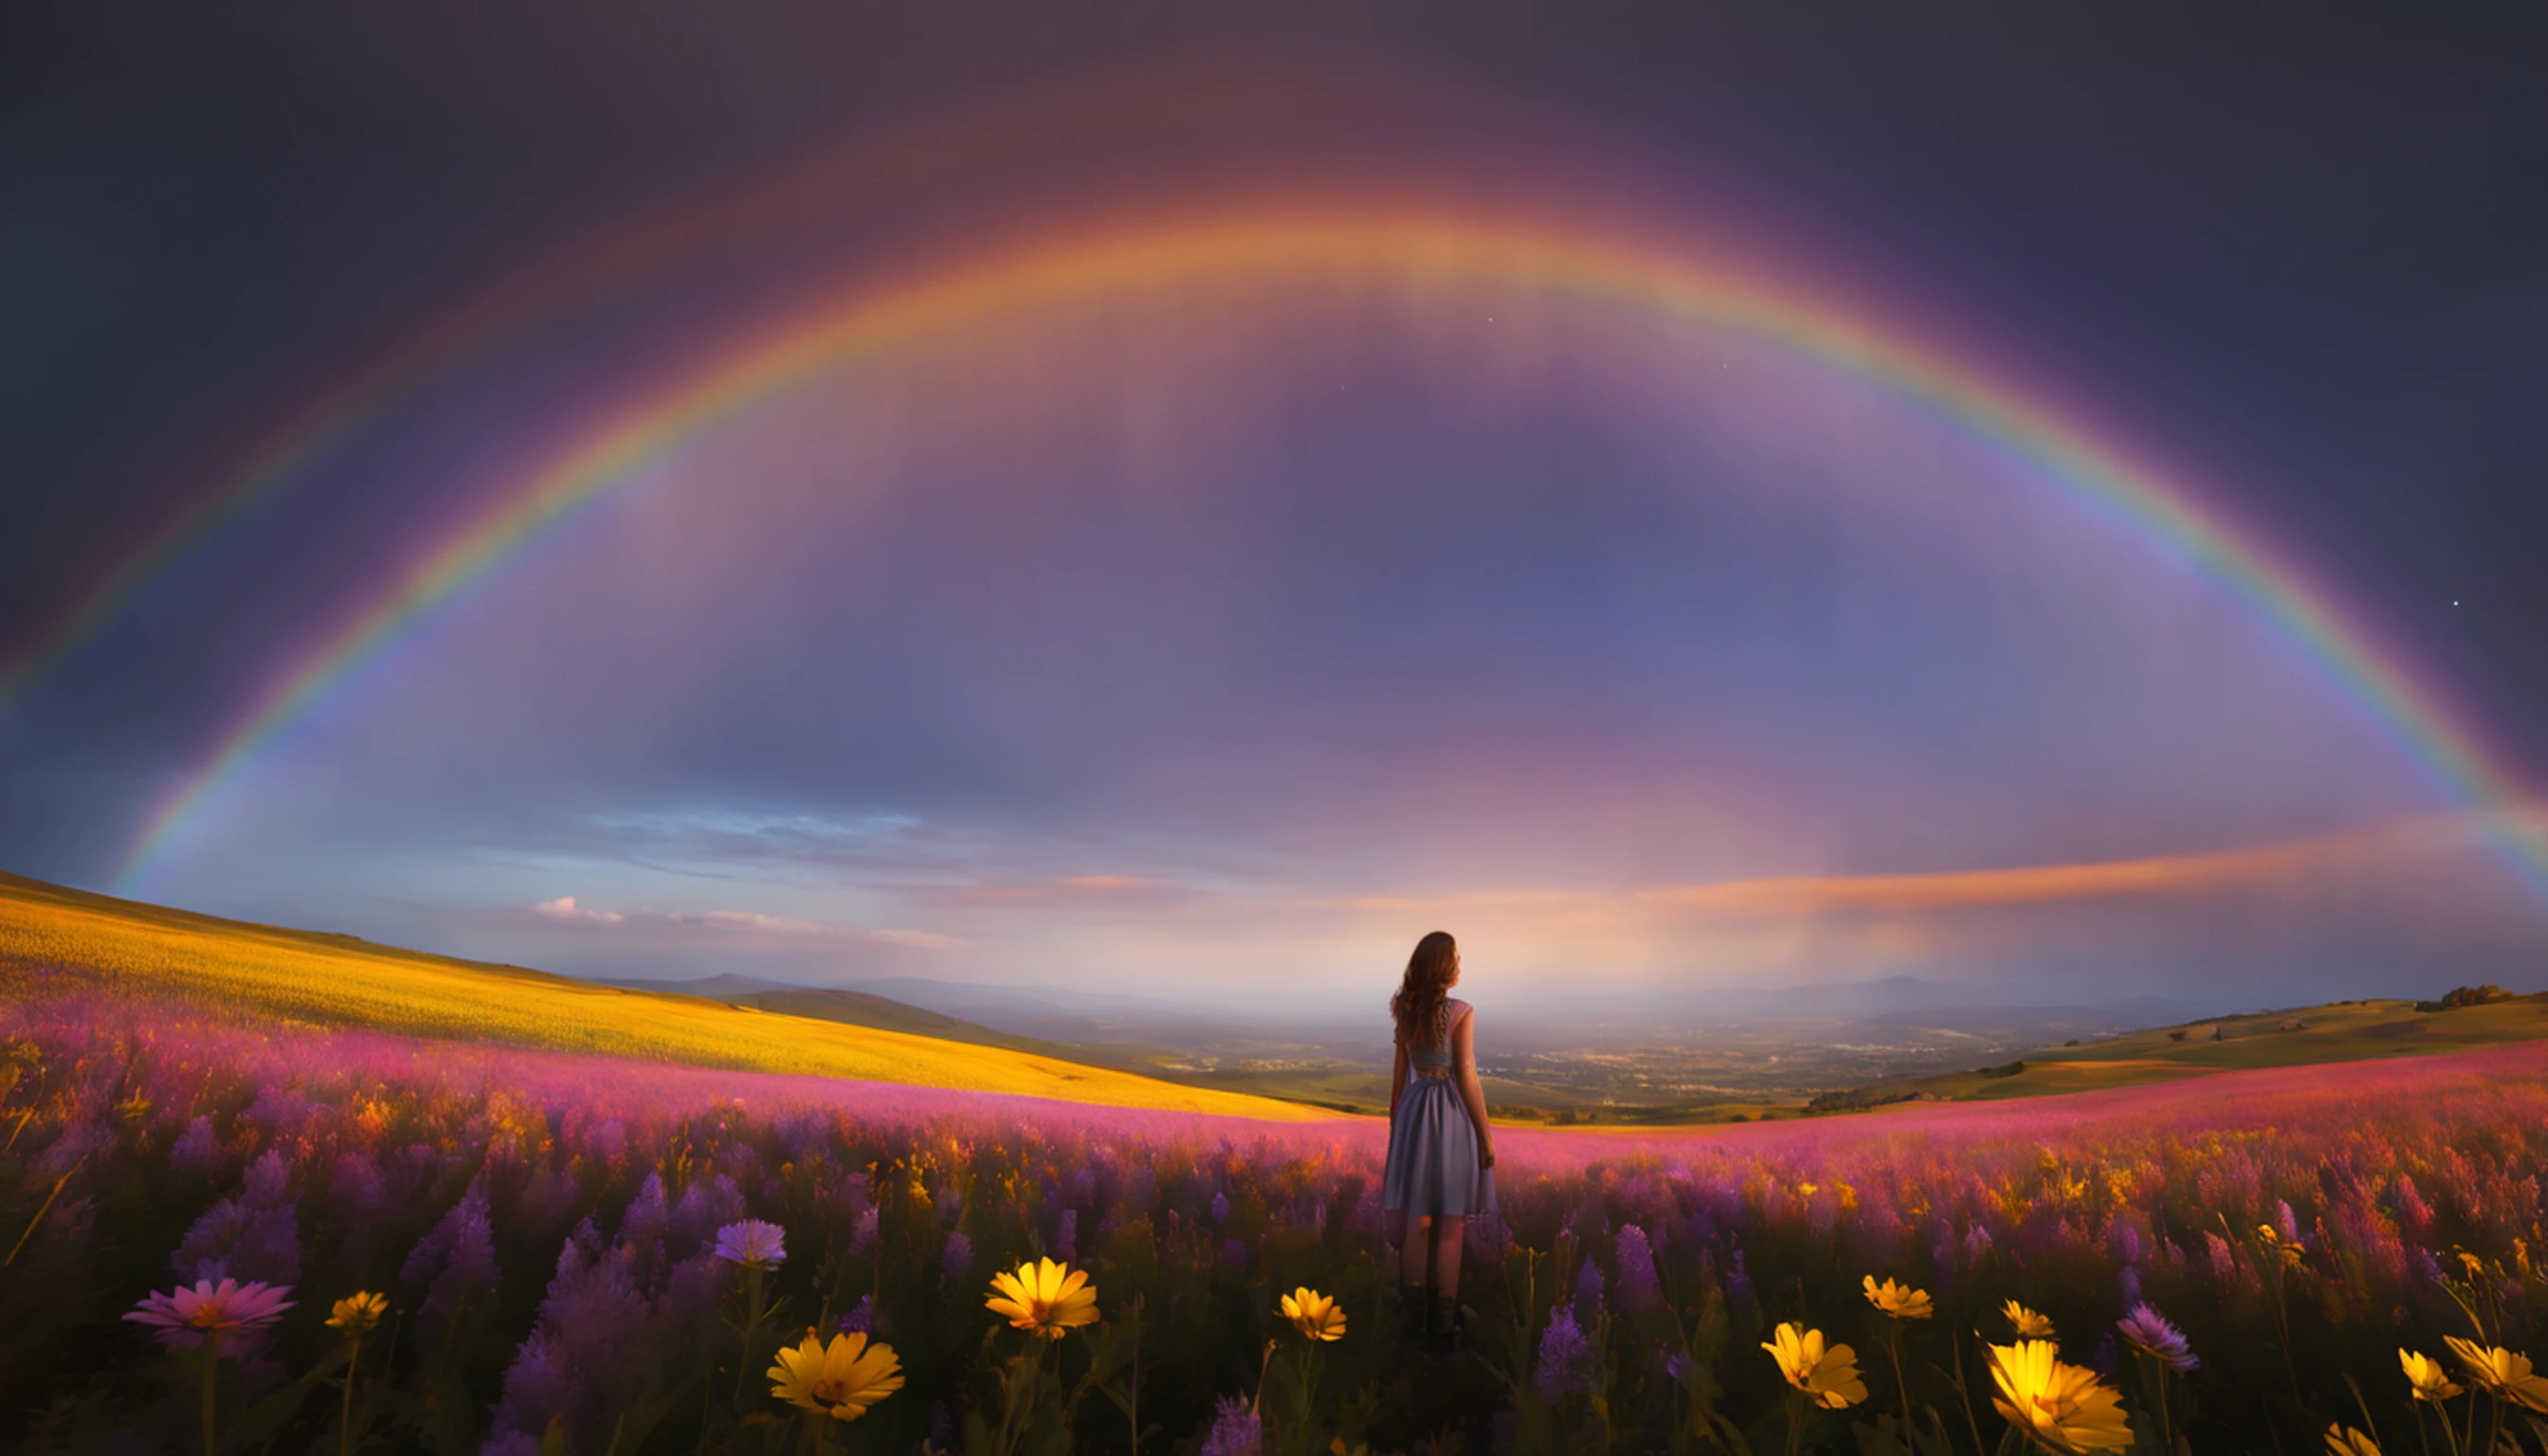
(183, 1317)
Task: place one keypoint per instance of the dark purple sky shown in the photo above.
(1177, 641)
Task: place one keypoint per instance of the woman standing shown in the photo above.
(1440, 1154)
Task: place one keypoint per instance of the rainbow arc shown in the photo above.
(1147, 254)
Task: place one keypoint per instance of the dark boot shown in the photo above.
(1414, 1305)
(1443, 1332)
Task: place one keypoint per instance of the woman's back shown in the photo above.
(1436, 1060)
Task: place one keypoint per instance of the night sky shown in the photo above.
(1237, 518)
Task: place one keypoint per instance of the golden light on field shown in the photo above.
(236, 968)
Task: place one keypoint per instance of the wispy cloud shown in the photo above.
(564, 907)
(738, 922)
(918, 939)
(2200, 873)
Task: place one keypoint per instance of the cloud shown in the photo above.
(917, 939)
(2203, 872)
(564, 907)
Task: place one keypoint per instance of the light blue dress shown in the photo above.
(1432, 1169)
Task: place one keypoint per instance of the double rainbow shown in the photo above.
(1441, 245)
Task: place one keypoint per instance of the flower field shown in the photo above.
(49, 934)
(293, 1239)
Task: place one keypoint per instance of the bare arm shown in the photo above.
(1396, 1079)
(1464, 1061)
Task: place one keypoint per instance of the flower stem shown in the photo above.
(751, 1326)
(1901, 1380)
(212, 1384)
(345, 1435)
(1963, 1397)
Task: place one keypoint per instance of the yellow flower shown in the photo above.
(359, 1312)
(2501, 1374)
(1044, 1296)
(2344, 1440)
(2424, 1373)
(2029, 1325)
(1900, 1301)
(1314, 1315)
(2063, 1406)
(1828, 1377)
(839, 1381)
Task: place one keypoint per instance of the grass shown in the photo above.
(52, 936)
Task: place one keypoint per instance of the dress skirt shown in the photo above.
(1432, 1169)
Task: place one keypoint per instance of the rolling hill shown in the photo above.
(57, 941)
(2338, 1031)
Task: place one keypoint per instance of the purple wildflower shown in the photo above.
(2225, 1265)
(1640, 1291)
(1565, 1358)
(183, 1316)
(457, 1255)
(196, 1148)
(957, 1261)
(753, 1243)
(861, 1316)
(576, 1364)
(649, 1220)
(255, 1235)
(2151, 1334)
(1066, 1242)
(606, 1140)
(1236, 1430)
(1738, 1281)
(1588, 1294)
(862, 1235)
(1219, 1208)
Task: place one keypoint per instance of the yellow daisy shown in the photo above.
(2029, 1325)
(1829, 1376)
(2501, 1374)
(2061, 1407)
(1900, 1301)
(1045, 1297)
(2344, 1440)
(2425, 1373)
(1314, 1315)
(841, 1380)
(359, 1312)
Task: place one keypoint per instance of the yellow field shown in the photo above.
(136, 950)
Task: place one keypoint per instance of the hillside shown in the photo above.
(55, 940)
(2338, 1031)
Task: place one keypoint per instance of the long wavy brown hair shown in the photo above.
(1420, 1007)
